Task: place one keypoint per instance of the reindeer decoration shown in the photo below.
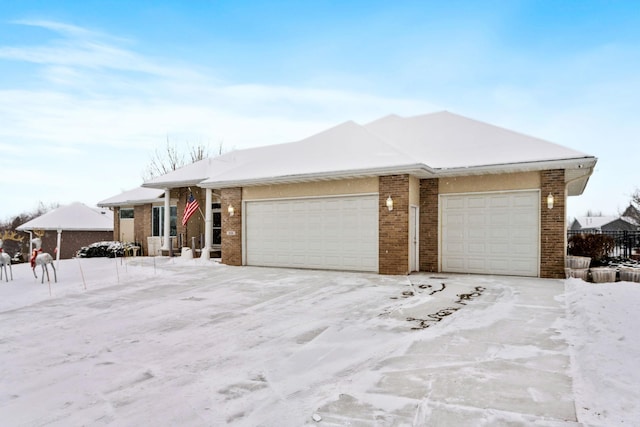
(5, 259)
(41, 258)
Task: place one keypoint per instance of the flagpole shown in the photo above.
(200, 210)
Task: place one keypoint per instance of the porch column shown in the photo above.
(58, 248)
(208, 225)
(166, 245)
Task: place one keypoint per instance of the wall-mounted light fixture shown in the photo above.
(550, 201)
(389, 203)
(231, 210)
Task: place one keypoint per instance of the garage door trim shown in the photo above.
(441, 240)
(371, 201)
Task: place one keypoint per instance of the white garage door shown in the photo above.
(491, 233)
(333, 233)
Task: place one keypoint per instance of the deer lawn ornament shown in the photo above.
(5, 260)
(40, 258)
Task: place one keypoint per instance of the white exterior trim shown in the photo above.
(441, 239)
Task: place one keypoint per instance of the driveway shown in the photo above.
(171, 342)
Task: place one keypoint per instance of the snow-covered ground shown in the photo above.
(159, 341)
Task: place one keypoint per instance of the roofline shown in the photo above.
(30, 228)
(586, 162)
(418, 169)
(131, 202)
(173, 184)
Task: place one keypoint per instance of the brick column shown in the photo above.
(393, 226)
(231, 226)
(429, 225)
(552, 224)
(116, 224)
(142, 225)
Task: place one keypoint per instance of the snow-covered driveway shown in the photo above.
(184, 342)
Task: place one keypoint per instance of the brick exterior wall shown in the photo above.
(429, 225)
(142, 226)
(70, 241)
(195, 227)
(393, 226)
(116, 224)
(552, 224)
(231, 226)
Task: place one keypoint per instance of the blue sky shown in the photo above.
(88, 90)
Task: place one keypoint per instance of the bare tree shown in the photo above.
(11, 223)
(633, 210)
(591, 213)
(172, 158)
(198, 152)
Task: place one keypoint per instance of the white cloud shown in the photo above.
(96, 94)
(89, 105)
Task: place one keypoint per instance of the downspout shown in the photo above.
(58, 248)
(167, 220)
(30, 245)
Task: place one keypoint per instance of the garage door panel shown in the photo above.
(499, 248)
(499, 219)
(498, 202)
(477, 218)
(330, 233)
(476, 265)
(477, 248)
(498, 234)
(490, 233)
(476, 202)
(475, 233)
(525, 201)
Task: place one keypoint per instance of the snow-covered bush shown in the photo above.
(108, 249)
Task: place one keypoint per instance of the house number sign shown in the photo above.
(231, 233)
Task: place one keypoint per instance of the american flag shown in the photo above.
(189, 209)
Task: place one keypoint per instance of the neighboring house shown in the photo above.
(437, 192)
(604, 223)
(76, 224)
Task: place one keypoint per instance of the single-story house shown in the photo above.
(436, 192)
(139, 218)
(76, 225)
(597, 224)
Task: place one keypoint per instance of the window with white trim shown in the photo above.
(157, 221)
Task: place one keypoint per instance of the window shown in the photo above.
(216, 209)
(157, 221)
(126, 213)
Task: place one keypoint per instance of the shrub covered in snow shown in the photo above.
(108, 249)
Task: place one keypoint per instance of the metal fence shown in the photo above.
(627, 243)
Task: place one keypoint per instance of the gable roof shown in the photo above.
(597, 222)
(587, 222)
(73, 217)
(448, 141)
(427, 146)
(136, 196)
